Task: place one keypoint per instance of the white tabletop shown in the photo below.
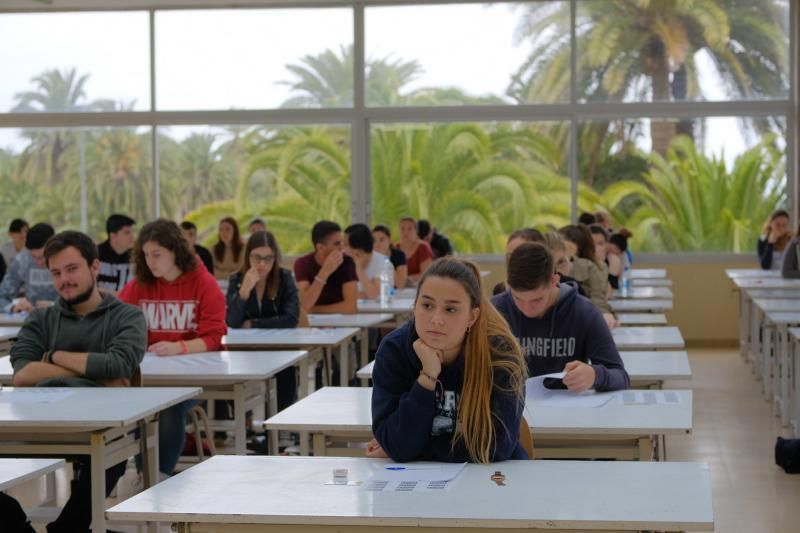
(641, 366)
(783, 318)
(652, 306)
(13, 319)
(396, 306)
(8, 333)
(358, 320)
(16, 471)
(276, 490)
(646, 337)
(407, 293)
(88, 408)
(795, 333)
(766, 283)
(648, 273)
(651, 282)
(348, 409)
(734, 273)
(775, 304)
(773, 293)
(641, 293)
(217, 367)
(642, 319)
(287, 337)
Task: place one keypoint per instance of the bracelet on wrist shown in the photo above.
(184, 348)
(321, 280)
(430, 378)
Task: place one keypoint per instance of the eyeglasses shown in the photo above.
(255, 258)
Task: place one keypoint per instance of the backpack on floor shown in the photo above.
(787, 455)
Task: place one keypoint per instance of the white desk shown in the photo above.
(13, 319)
(734, 273)
(14, 472)
(9, 332)
(246, 378)
(642, 367)
(644, 293)
(761, 337)
(330, 340)
(766, 282)
(651, 282)
(795, 358)
(100, 422)
(358, 320)
(648, 273)
(778, 369)
(640, 306)
(397, 306)
(336, 415)
(272, 494)
(648, 338)
(642, 319)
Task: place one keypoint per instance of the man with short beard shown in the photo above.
(86, 339)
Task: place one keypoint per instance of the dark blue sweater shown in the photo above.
(413, 423)
(573, 329)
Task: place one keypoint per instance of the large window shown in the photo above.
(291, 176)
(675, 117)
(477, 182)
(254, 59)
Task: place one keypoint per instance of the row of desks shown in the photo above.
(769, 307)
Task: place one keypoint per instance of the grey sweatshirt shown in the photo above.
(23, 271)
(114, 335)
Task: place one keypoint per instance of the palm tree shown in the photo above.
(56, 91)
(636, 49)
(690, 202)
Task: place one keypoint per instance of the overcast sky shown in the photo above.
(234, 59)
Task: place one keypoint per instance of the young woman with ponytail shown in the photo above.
(449, 384)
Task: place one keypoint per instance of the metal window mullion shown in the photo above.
(793, 116)
(573, 123)
(154, 159)
(359, 129)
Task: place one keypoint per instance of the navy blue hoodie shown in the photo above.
(572, 329)
(413, 423)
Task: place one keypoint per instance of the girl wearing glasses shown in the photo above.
(264, 295)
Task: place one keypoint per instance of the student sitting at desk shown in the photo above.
(449, 384)
(115, 254)
(263, 295)
(774, 239)
(28, 270)
(86, 339)
(185, 313)
(383, 244)
(558, 329)
(369, 263)
(326, 278)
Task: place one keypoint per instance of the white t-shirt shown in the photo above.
(373, 268)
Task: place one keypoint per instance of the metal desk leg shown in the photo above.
(98, 468)
(272, 409)
(239, 419)
(344, 363)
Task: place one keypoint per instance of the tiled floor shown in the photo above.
(734, 431)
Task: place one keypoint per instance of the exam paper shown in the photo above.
(413, 477)
(536, 393)
(34, 395)
(649, 397)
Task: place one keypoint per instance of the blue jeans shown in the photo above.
(171, 434)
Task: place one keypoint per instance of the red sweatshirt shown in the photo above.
(190, 307)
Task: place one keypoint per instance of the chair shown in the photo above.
(198, 416)
(525, 438)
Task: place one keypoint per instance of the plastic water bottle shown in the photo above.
(387, 282)
(625, 282)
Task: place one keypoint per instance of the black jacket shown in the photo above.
(282, 312)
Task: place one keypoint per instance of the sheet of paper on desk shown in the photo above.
(188, 361)
(35, 395)
(413, 477)
(543, 397)
(649, 397)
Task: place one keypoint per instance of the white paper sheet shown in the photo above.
(413, 477)
(648, 397)
(35, 395)
(536, 392)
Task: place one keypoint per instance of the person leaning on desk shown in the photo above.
(449, 384)
(86, 339)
